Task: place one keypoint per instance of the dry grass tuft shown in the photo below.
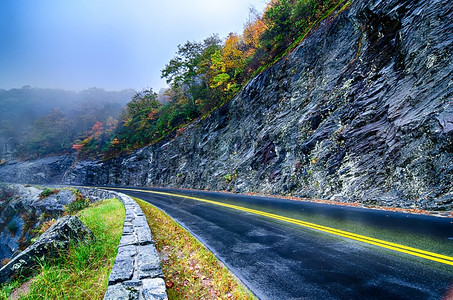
(191, 271)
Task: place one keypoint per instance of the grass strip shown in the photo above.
(82, 272)
(191, 271)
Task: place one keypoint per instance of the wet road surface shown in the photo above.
(279, 260)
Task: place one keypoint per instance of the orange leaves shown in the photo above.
(77, 147)
(115, 141)
(97, 129)
(252, 33)
(180, 131)
(153, 114)
(169, 284)
(100, 135)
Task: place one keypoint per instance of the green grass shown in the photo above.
(191, 271)
(47, 192)
(82, 272)
(7, 288)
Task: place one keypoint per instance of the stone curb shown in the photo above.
(136, 273)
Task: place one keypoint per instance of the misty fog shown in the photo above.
(36, 121)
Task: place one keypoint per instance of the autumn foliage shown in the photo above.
(77, 147)
(204, 75)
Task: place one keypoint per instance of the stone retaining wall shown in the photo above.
(136, 273)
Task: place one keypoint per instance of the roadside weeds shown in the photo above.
(191, 271)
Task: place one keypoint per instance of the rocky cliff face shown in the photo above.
(44, 170)
(362, 110)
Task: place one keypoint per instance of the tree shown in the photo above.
(97, 130)
(253, 30)
(226, 67)
(112, 124)
(182, 71)
(49, 134)
(233, 56)
(139, 109)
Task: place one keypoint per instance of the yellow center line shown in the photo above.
(365, 239)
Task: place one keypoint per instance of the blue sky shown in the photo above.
(110, 44)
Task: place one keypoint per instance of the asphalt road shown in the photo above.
(280, 260)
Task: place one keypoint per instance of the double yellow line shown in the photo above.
(448, 260)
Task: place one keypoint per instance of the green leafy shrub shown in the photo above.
(78, 204)
(47, 192)
(12, 227)
(228, 177)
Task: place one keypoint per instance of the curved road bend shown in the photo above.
(281, 260)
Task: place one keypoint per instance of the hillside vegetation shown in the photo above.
(202, 76)
(205, 75)
(38, 122)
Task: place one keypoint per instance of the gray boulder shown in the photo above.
(23, 210)
(49, 244)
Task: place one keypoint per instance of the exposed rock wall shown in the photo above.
(40, 171)
(362, 111)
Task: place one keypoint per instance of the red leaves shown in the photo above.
(97, 129)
